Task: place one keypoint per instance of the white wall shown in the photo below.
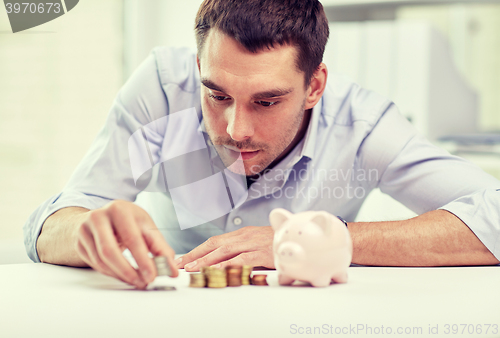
(473, 33)
(157, 22)
(57, 82)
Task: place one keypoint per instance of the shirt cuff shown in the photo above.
(480, 211)
(33, 225)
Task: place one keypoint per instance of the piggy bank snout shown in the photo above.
(290, 251)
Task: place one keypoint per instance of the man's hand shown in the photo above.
(247, 246)
(106, 232)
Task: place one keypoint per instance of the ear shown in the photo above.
(323, 220)
(316, 87)
(278, 217)
(198, 62)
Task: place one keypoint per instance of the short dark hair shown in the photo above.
(259, 24)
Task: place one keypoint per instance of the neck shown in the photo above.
(298, 137)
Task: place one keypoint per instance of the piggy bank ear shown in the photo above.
(323, 220)
(278, 217)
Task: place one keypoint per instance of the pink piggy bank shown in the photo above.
(311, 246)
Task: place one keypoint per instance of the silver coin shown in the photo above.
(164, 272)
(163, 288)
(162, 267)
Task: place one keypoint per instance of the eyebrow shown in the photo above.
(258, 96)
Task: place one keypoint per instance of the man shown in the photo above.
(260, 90)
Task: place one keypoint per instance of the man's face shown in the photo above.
(253, 103)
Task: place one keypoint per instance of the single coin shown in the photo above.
(163, 288)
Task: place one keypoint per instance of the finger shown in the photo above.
(86, 248)
(159, 247)
(224, 252)
(246, 258)
(226, 246)
(128, 229)
(190, 261)
(82, 252)
(191, 258)
(109, 252)
(85, 257)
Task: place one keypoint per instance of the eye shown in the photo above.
(219, 97)
(266, 103)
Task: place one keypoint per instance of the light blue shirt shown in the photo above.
(356, 141)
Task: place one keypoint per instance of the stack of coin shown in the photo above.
(216, 278)
(162, 267)
(197, 280)
(233, 275)
(204, 272)
(259, 280)
(245, 274)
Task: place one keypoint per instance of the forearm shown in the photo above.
(57, 241)
(436, 238)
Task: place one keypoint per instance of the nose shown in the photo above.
(291, 252)
(239, 123)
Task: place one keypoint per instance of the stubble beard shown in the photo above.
(272, 153)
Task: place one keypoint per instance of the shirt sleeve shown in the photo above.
(105, 173)
(425, 177)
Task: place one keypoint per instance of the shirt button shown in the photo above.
(237, 221)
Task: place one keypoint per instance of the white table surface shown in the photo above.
(42, 300)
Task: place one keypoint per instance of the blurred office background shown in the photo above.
(438, 60)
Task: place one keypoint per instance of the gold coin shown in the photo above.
(259, 280)
(197, 280)
(217, 285)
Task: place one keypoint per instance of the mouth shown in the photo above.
(246, 154)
